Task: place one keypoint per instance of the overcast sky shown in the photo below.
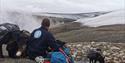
(62, 6)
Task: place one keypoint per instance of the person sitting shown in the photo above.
(40, 40)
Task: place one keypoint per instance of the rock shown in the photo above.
(113, 52)
(114, 47)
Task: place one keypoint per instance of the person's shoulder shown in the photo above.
(37, 33)
(49, 34)
(36, 29)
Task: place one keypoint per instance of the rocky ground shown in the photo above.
(114, 52)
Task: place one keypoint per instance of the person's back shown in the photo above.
(40, 40)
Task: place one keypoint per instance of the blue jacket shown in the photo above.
(39, 42)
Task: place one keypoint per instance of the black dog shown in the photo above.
(95, 56)
(13, 38)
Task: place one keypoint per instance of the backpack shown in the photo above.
(61, 57)
(58, 57)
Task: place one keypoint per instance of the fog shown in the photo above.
(20, 11)
(62, 6)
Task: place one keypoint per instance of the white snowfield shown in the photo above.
(74, 16)
(115, 17)
(29, 22)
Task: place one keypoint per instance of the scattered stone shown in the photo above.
(113, 52)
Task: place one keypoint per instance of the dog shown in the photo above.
(95, 55)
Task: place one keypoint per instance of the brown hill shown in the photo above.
(74, 32)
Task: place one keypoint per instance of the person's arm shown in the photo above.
(52, 42)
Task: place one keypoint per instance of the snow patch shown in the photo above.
(115, 17)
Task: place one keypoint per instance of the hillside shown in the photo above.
(107, 33)
(108, 27)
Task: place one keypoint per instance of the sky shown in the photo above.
(62, 6)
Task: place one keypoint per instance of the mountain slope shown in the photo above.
(112, 33)
(115, 17)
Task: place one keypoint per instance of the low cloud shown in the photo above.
(62, 6)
